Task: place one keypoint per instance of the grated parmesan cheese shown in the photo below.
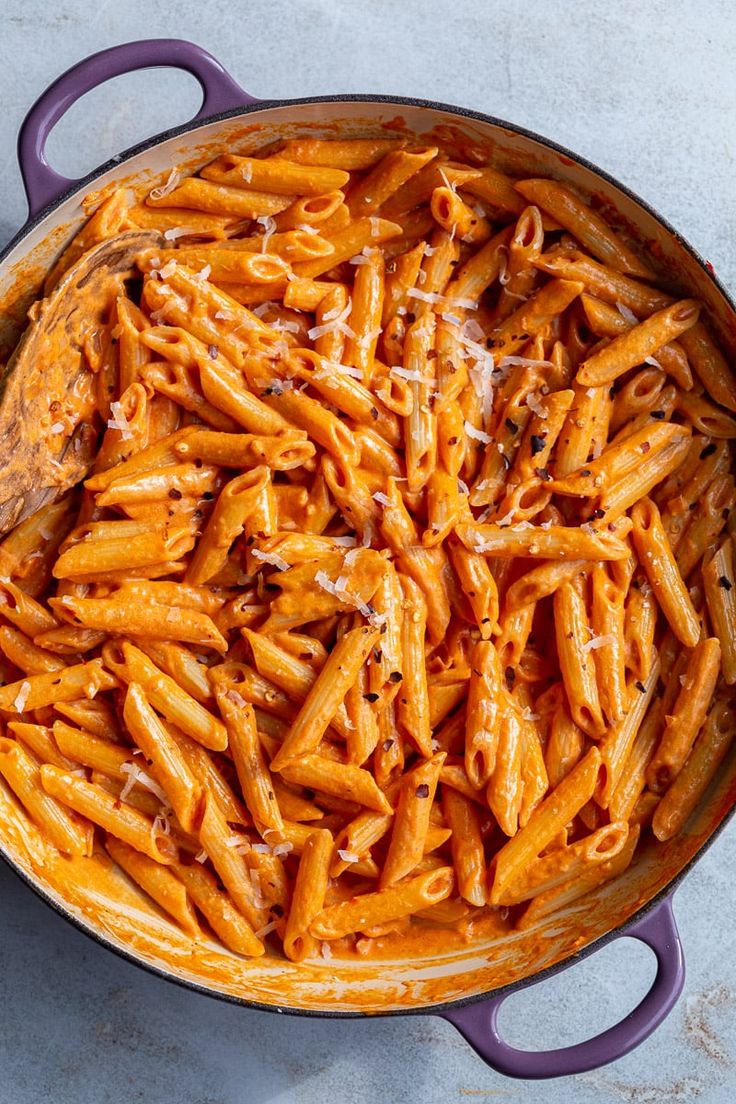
(22, 697)
(266, 929)
(139, 777)
(239, 843)
(334, 321)
(270, 558)
(328, 366)
(57, 427)
(598, 642)
(626, 313)
(165, 189)
(161, 824)
(408, 374)
(367, 339)
(384, 500)
(472, 330)
(477, 434)
(119, 421)
(452, 187)
(348, 856)
(322, 579)
(269, 226)
(534, 403)
(524, 362)
(463, 303)
(258, 899)
(425, 296)
(503, 266)
(175, 232)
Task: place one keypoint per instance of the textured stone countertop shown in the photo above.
(647, 90)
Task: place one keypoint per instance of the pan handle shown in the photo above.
(220, 93)
(478, 1023)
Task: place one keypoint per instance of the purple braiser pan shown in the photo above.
(465, 986)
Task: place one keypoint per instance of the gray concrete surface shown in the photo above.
(646, 89)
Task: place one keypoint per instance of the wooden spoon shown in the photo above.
(48, 434)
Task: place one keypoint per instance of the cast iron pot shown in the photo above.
(467, 984)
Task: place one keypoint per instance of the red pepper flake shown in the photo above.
(176, 495)
(371, 697)
(537, 443)
(645, 446)
(213, 351)
(387, 745)
(543, 474)
(395, 676)
(640, 687)
(725, 582)
(423, 790)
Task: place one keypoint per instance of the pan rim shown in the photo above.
(118, 162)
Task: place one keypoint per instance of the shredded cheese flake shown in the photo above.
(598, 642)
(627, 313)
(477, 434)
(272, 558)
(348, 856)
(166, 189)
(266, 929)
(534, 402)
(334, 322)
(408, 374)
(139, 777)
(22, 697)
(175, 232)
(269, 226)
(119, 421)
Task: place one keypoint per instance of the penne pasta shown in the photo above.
(399, 588)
